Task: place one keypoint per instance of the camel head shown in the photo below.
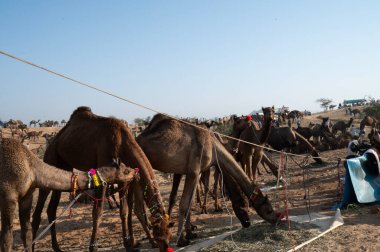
(118, 173)
(240, 124)
(263, 207)
(268, 113)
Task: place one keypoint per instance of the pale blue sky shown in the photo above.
(187, 58)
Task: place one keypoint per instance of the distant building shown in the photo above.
(354, 102)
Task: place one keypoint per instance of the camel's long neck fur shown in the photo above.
(265, 130)
(50, 177)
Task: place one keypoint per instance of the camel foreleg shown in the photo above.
(140, 212)
(217, 206)
(185, 208)
(42, 196)
(24, 208)
(97, 212)
(257, 155)
(8, 208)
(173, 196)
(247, 161)
(205, 179)
(52, 215)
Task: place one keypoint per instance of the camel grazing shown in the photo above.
(89, 140)
(175, 147)
(368, 121)
(285, 137)
(22, 172)
(249, 131)
(341, 126)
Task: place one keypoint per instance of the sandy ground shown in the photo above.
(314, 189)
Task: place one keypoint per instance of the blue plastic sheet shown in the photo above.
(362, 182)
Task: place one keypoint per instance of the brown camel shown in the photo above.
(179, 148)
(341, 126)
(249, 131)
(87, 141)
(22, 172)
(368, 121)
(238, 200)
(355, 112)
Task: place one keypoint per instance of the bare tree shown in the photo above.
(325, 102)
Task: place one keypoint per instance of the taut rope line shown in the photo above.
(138, 104)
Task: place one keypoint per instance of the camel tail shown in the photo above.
(310, 148)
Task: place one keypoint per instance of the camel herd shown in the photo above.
(165, 144)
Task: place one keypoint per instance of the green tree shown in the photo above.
(373, 110)
(139, 121)
(325, 102)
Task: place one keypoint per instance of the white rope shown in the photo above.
(52, 223)
(138, 104)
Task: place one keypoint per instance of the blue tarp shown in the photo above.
(362, 182)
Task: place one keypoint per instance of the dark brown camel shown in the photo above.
(368, 121)
(88, 141)
(306, 132)
(341, 126)
(294, 114)
(319, 130)
(285, 137)
(22, 172)
(179, 148)
(250, 132)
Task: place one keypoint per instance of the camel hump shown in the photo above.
(155, 121)
(81, 111)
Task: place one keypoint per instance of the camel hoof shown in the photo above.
(190, 235)
(57, 249)
(204, 210)
(183, 242)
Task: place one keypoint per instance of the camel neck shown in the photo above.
(265, 130)
(50, 177)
